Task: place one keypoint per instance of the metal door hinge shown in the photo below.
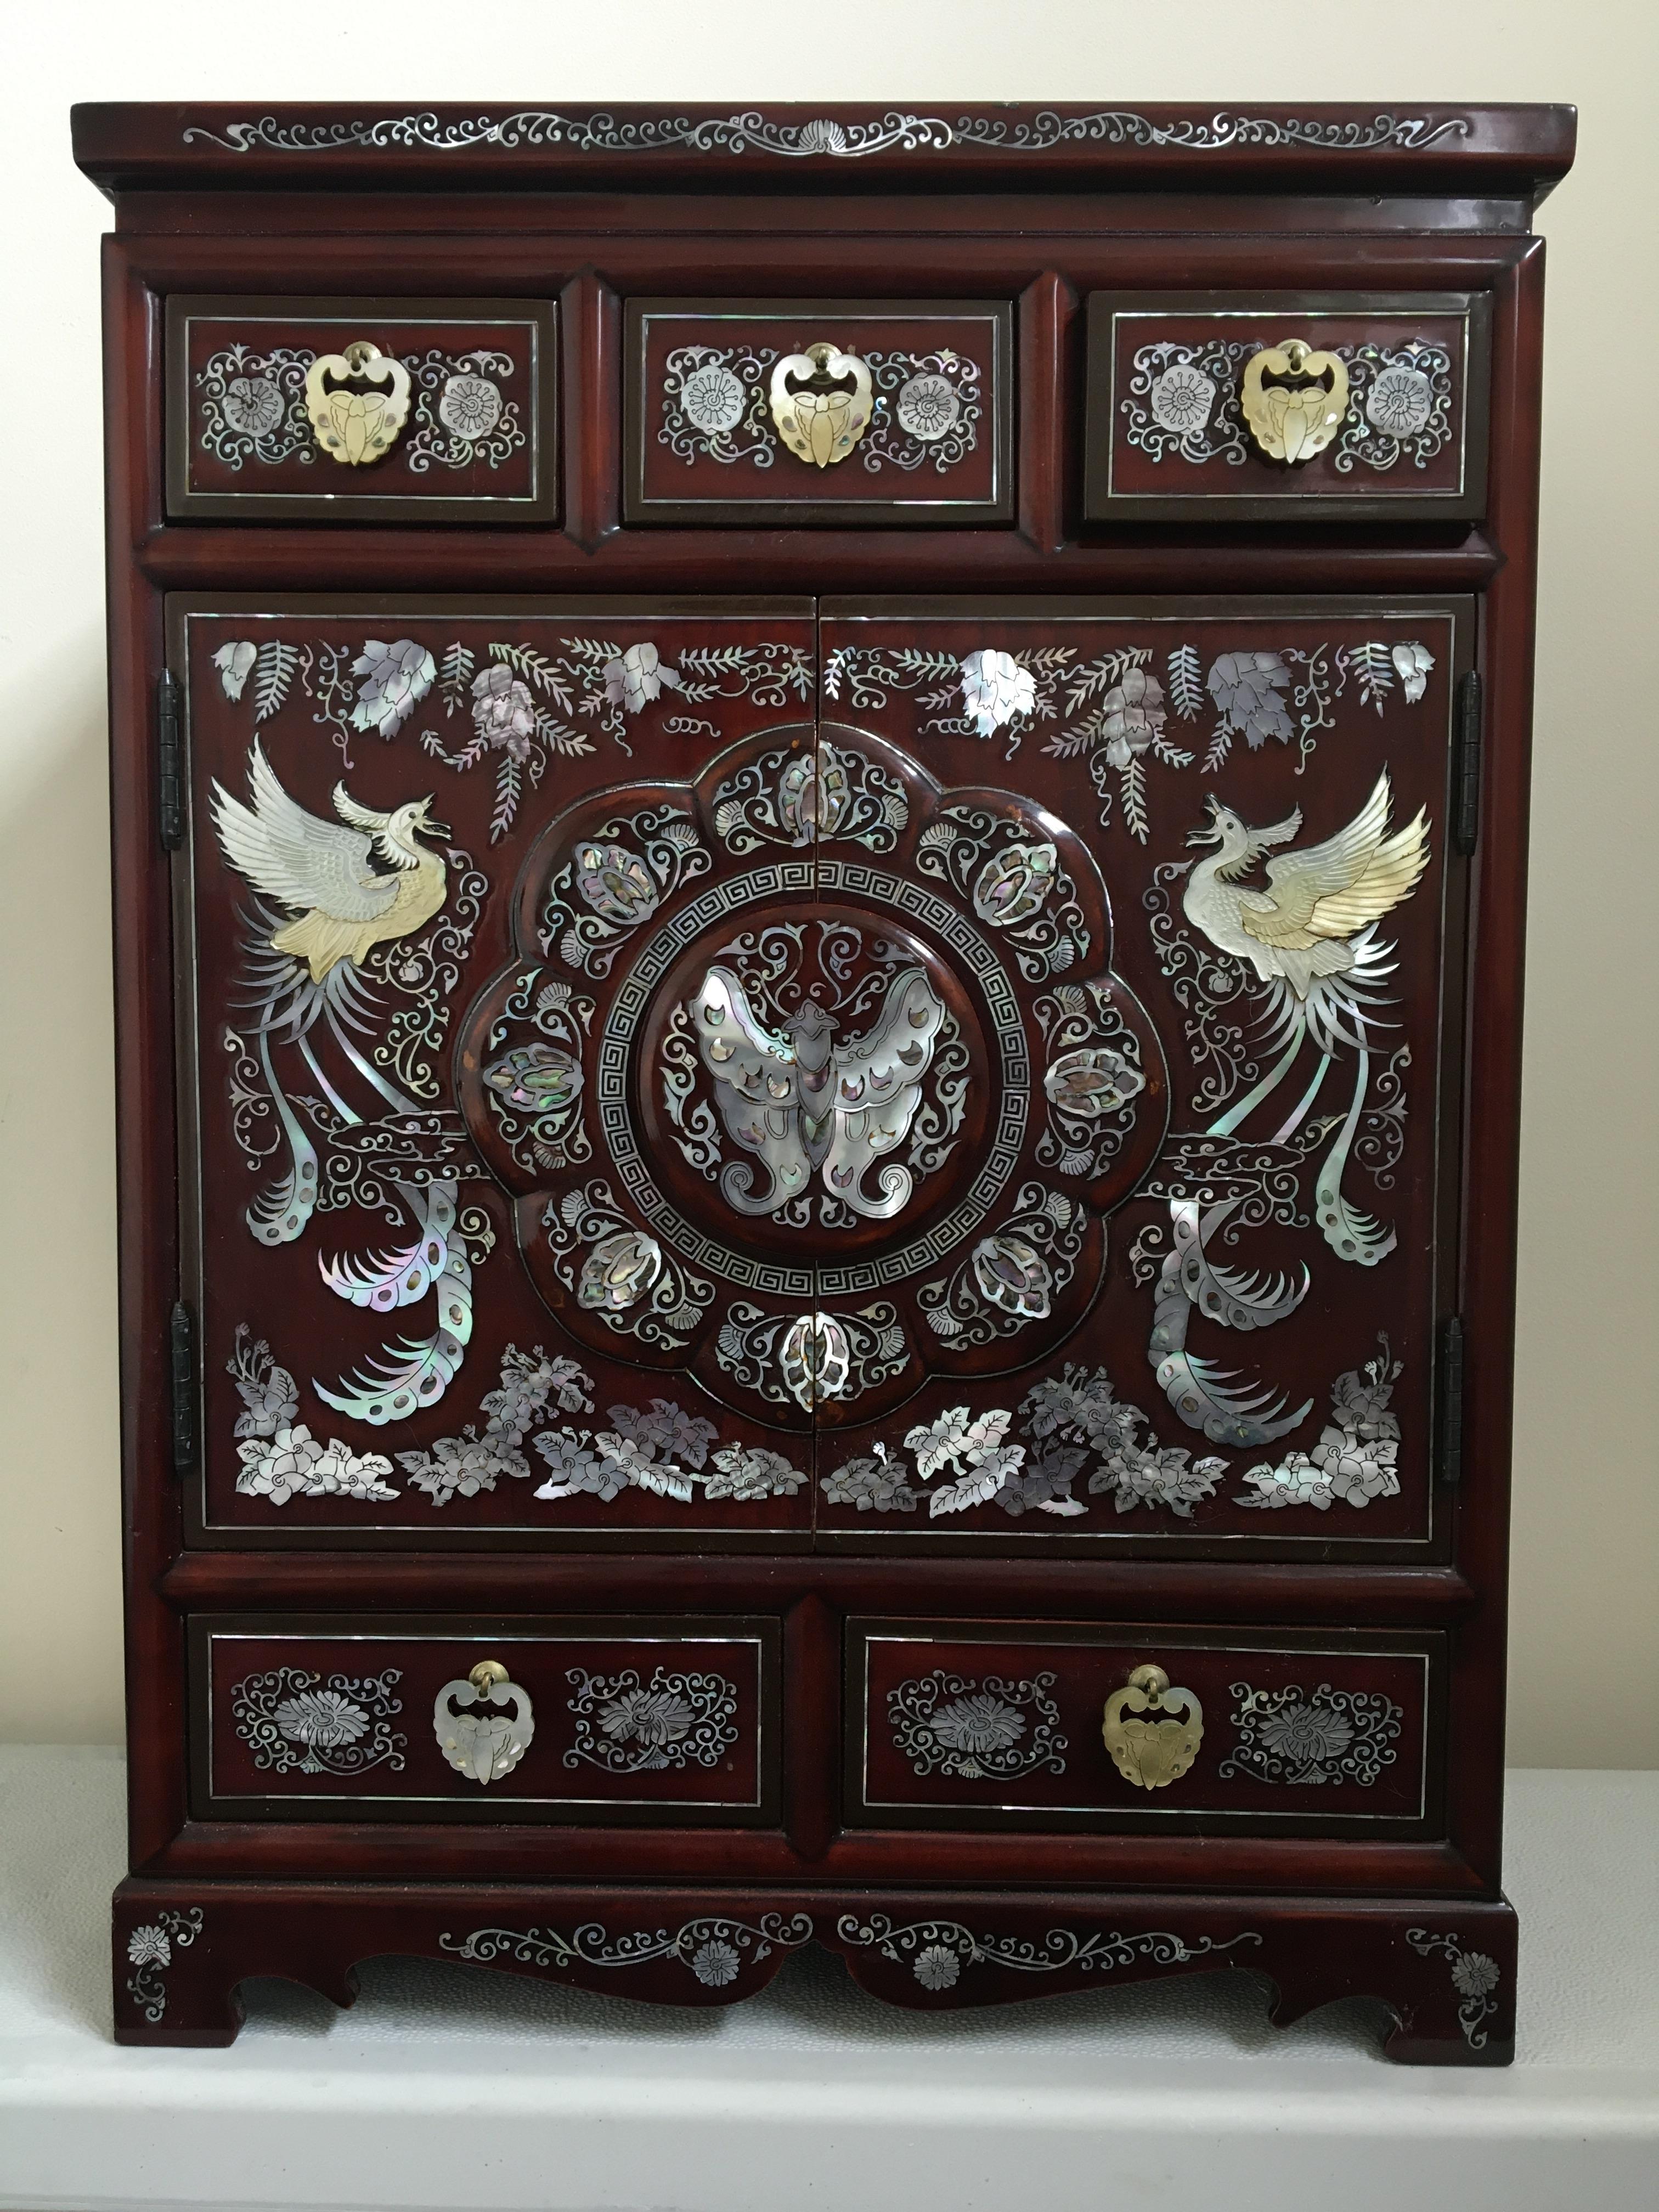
(182, 1352)
(1448, 1401)
(1465, 764)
(169, 761)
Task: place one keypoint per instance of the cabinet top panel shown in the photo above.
(1416, 146)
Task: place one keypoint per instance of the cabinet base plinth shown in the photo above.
(1445, 1968)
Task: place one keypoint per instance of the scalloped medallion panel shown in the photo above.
(819, 825)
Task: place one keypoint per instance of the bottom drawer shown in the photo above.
(985, 1725)
(609, 1720)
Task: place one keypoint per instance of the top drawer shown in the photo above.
(279, 408)
(1203, 406)
(818, 412)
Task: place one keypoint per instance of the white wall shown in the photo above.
(1586, 1640)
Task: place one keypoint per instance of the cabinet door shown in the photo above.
(630, 1099)
(456, 1278)
(1200, 850)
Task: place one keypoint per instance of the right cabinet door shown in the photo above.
(1207, 843)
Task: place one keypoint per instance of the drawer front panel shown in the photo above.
(460, 428)
(913, 422)
(975, 1724)
(1169, 433)
(629, 1720)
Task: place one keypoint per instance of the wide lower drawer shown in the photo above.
(965, 1724)
(609, 1720)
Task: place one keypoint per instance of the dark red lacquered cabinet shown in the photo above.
(820, 833)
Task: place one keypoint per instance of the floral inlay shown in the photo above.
(925, 407)
(675, 1720)
(150, 1950)
(939, 1950)
(1117, 713)
(294, 1721)
(977, 1727)
(281, 1459)
(1182, 403)
(1302, 1737)
(1476, 1976)
(1067, 1421)
(1354, 1459)
(714, 1950)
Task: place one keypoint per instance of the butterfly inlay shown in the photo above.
(802, 1103)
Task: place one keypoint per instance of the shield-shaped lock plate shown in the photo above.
(1152, 1731)
(1291, 421)
(484, 1723)
(357, 401)
(822, 402)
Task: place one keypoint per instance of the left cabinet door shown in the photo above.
(444, 862)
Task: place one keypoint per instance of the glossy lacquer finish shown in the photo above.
(800, 1008)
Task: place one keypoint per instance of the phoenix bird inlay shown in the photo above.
(805, 1105)
(1302, 926)
(324, 873)
(1311, 938)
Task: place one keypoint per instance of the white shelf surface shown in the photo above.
(450, 2088)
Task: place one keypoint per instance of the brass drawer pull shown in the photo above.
(353, 420)
(1153, 1753)
(822, 401)
(1301, 410)
(484, 1723)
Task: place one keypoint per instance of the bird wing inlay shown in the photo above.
(301, 860)
(1305, 888)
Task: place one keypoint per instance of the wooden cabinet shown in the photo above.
(817, 1216)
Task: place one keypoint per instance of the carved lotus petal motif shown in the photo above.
(483, 1733)
(1092, 1082)
(816, 1358)
(535, 1079)
(1014, 886)
(355, 420)
(1293, 421)
(616, 882)
(1014, 1275)
(1156, 1750)
(619, 1271)
(821, 401)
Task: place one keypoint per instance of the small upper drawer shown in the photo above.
(818, 412)
(587, 1721)
(985, 1725)
(1203, 406)
(360, 410)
